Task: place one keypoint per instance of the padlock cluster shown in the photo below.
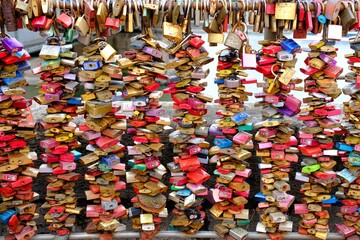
(316, 138)
(103, 128)
(348, 192)
(143, 66)
(232, 145)
(185, 84)
(58, 73)
(275, 140)
(17, 125)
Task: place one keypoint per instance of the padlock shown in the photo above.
(22, 6)
(65, 20)
(69, 34)
(49, 52)
(233, 40)
(335, 30)
(11, 44)
(248, 57)
(81, 26)
(112, 23)
(39, 22)
(106, 50)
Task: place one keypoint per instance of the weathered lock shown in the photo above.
(172, 32)
(112, 22)
(101, 14)
(233, 40)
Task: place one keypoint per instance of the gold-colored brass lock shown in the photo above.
(81, 26)
(172, 32)
(106, 50)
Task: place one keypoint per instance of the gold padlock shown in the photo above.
(172, 32)
(82, 26)
(106, 50)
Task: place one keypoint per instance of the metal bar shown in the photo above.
(241, 5)
(179, 235)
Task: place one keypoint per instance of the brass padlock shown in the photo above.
(106, 50)
(81, 26)
(172, 32)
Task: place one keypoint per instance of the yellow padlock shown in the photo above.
(106, 50)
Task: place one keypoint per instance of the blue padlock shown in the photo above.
(240, 117)
(322, 19)
(109, 205)
(290, 45)
(354, 159)
(216, 172)
(347, 175)
(184, 192)
(344, 147)
(260, 197)
(23, 66)
(223, 142)
(20, 53)
(92, 65)
(332, 200)
(219, 81)
(77, 155)
(74, 101)
(5, 216)
(14, 80)
(133, 212)
(174, 79)
(110, 160)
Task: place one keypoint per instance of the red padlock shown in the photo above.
(112, 22)
(39, 22)
(65, 20)
(196, 42)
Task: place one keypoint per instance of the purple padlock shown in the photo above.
(54, 96)
(152, 52)
(12, 44)
(329, 60)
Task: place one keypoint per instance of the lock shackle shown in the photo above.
(99, 39)
(6, 35)
(53, 40)
(272, 69)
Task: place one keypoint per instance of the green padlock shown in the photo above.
(311, 168)
(69, 34)
(176, 188)
(105, 168)
(141, 167)
(131, 163)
